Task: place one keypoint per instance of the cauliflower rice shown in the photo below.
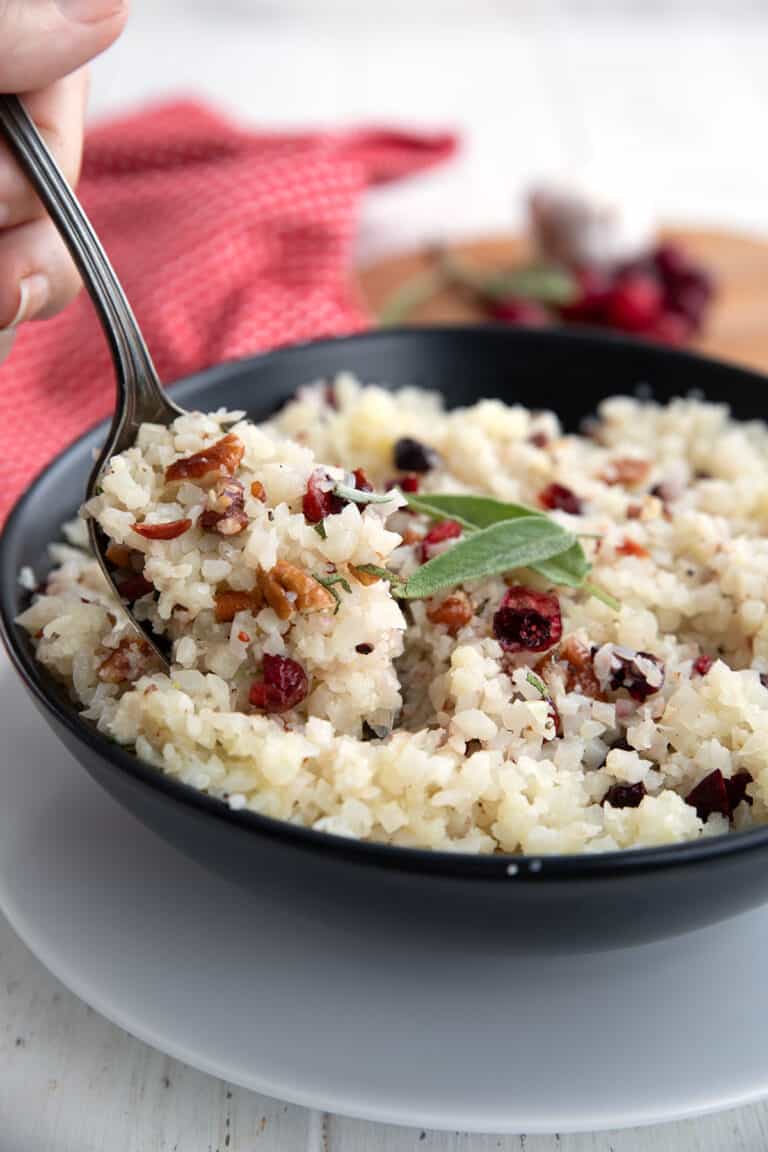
(303, 689)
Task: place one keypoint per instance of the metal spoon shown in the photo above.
(140, 395)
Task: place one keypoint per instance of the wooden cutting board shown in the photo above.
(737, 328)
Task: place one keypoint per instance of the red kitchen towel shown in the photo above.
(227, 241)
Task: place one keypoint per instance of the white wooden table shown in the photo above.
(670, 108)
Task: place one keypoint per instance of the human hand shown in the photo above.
(44, 47)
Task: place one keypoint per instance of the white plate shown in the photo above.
(367, 1024)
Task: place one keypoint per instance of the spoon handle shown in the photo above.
(140, 395)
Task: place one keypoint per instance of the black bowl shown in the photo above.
(553, 903)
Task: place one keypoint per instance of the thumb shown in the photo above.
(43, 40)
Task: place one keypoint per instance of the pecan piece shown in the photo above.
(275, 596)
(212, 463)
(364, 578)
(311, 595)
(580, 676)
(119, 555)
(454, 611)
(126, 663)
(228, 603)
(227, 512)
(627, 471)
(168, 531)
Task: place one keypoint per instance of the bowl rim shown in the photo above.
(422, 861)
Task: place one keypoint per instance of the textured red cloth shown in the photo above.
(226, 242)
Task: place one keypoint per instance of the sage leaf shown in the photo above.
(601, 594)
(358, 497)
(570, 567)
(488, 552)
(329, 582)
(382, 573)
(537, 683)
(470, 511)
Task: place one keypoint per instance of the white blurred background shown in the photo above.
(663, 103)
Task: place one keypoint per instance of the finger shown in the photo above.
(38, 278)
(43, 40)
(6, 343)
(58, 111)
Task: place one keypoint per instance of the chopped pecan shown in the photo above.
(119, 555)
(628, 471)
(226, 515)
(275, 596)
(258, 491)
(229, 603)
(212, 463)
(580, 676)
(311, 595)
(126, 663)
(454, 611)
(364, 578)
(168, 531)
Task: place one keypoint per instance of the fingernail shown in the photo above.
(34, 291)
(5, 214)
(90, 11)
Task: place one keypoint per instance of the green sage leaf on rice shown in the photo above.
(358, 497)
(570, 566)
(470, 511)
(489, 552)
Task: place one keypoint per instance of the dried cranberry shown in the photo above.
(445, 530)
(168, 530)
(364, 649)
(561, 499)
(413, 456)
(319, 499)
(689, 299)
(702, 665)
(594, 292)
(410, 483)
(710, 795)
(625, 795)
(671, 328)
(635, 303)
(539, 439)
(362, 483)
(284, 685)
(736, 788)
(513, 310)
(554, 716)
(133, 587)
(670, 261)
(627, 673)
(527, 621)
